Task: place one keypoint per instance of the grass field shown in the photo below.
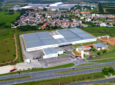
(7, 50)
(68, 80)
(8, 19)
(100, 31)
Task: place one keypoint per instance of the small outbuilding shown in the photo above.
(50, 52)
(100, 46)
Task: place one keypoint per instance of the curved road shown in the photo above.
(49, 74)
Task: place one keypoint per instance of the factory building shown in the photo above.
(56, 4)
(48, 41)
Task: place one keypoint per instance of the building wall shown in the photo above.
(50, 56)
(84, 41)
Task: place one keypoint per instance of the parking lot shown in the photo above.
(50, 62)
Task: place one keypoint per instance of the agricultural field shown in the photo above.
(106, 8)
(8, 19)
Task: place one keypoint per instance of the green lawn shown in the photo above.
(88, 43)
(7, 33)
(76, 45)
(110, 53)
(7, 50)
(61, 54)
(102, 19)
(68, 80)
(75, 52)
(8, 19)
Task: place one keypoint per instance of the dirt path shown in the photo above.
(111, 76)
(16, 48)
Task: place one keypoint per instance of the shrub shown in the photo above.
(98, 53)
(105, 70)
(104, 51)
(93, 49)
(111, 70)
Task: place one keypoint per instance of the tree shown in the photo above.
(105, 70)
(98, 53)
(104, 51)
(111, 70)
(44, 9)
(93, 49)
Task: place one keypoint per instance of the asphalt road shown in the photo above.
(94, 82)
(49, 74)
(3, 4)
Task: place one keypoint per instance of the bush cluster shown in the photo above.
(108, 70)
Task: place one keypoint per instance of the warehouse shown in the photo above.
(76, 36)
(56, 4)
(52, 52)
(38, 41)
(43, 40)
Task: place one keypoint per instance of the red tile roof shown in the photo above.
(77, 55)
(89, 45)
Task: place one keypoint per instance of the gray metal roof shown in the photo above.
(75, 34)
(44, 38)
(49, 51)
(61, 40)
(68, 35)
(60, 50)
(81, 33)
(38, 39)
(99, 45)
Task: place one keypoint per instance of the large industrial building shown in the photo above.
(53, 7)
(47, 41)
(56, 4)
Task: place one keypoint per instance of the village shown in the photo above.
(73, 16)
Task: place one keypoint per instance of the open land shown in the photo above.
(8, 19)
(7, 53)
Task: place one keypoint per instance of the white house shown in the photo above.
(103, 25)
